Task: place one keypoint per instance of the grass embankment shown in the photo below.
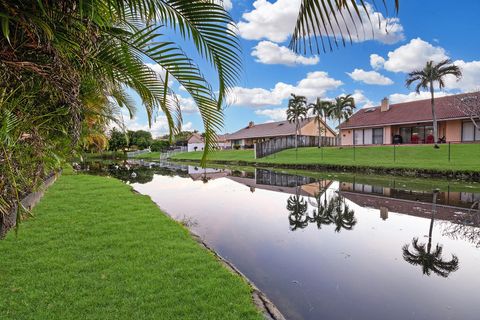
(96, 250)
(463, 157)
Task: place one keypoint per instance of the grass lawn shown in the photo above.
(96, 250)
(463, 156)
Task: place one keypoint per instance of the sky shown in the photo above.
(373, 67)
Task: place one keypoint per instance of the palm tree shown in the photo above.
(324, 24)
(426, 78)
(320, 213)
(423, 255)
(342, 108)
(298, 217)
(53, 53)
(321, 109)
(297, 112)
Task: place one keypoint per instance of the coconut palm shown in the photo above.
(342, 109)
(320, 214)
(422, 255)
(321, 110)
(297, 112)
(427, 77)
(298, 217)
(324, 24)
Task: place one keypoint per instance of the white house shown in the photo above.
(195, 143)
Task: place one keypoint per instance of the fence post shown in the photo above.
(394, 153)
(354, 152)
(449, 151)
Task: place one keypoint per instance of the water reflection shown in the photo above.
(311, 244)
(422, 255)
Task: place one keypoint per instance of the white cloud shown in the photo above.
(361, 101)
(159, 126)
(275, 21)
(187, 105)
(273, 114)
(272, 21)
(316, 84)
(369, 77)
(470, 80)
(271, 53)
(413, 96)
(160, 71)
(187, 126)
(376, 61)
(414, 55)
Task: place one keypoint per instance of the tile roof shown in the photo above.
(195, 138)
(407, 112)
(271, 129)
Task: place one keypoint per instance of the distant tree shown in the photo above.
(117, 141)
(141, 138)
(342, 109)
(298, 217)
(159, 145)
(296, 112)
(426, 78)
(321, 109)
(340, 214)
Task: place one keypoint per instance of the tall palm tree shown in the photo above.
(320, 213)
(297, 112)
(426, 78)
(321, 110)
(342, 108)
(430, 261)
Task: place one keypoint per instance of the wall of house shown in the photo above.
(199, 145)
(387, 135)
(311, 129)
(453, 130)
(346, 137)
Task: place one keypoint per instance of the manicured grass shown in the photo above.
(96, 250)
(463, 157)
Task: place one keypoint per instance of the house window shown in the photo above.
(358, 137)
(378, 136)
(367, 136)
(468, 131)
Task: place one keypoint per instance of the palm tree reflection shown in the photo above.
(298, 208)
(422, 254)
(325, 212)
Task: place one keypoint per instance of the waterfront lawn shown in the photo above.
(148, 156)
(97, 250)
(463, 157)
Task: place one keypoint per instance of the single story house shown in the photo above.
(197, 143)
(409, 123)
(253, 133)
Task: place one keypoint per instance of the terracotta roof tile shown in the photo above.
(407, 112)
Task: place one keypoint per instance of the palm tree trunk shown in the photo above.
(339, 135)
(296, 134)
(325, 132)
(434, 210)
(435, 127)
(319, 133)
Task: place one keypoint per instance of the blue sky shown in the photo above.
(370, 68)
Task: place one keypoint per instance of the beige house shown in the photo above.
(409, 123)
(253, 133)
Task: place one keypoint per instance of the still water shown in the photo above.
(329, 249)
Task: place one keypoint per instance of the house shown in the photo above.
(409, 122)
(197, 143)
(253, 133)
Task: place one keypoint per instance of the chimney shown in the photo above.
(251, 124)
(385, 105)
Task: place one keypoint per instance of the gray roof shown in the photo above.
(271, 129)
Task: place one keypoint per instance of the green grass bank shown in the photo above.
(424, 159)
(96, 250)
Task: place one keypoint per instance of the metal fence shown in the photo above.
(170, 153)
(274, 145)
(132, 154)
